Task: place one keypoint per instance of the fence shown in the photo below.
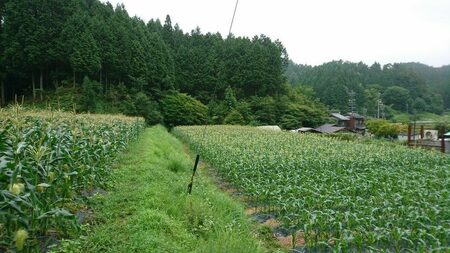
(431, 141)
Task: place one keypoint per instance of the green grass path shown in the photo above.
(148, 210)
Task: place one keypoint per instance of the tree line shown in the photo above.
(403, 87)
(87, 55)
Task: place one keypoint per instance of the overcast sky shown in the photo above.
(318, 31)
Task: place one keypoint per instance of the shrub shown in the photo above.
(301, 115)
(87, 102)
(383, 129)
(217, 111)
(234, 118)
(182, 109)
(147, 108)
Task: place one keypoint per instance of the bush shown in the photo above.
(301, 115)
(182, 109)
(383, 129)
(217, 111)
(234, 118)
(88, 98)
(147, 108)
(142, 105)
(63, 98)
(290, 121)
(264, 110)
(245, 110)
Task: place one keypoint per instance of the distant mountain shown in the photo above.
(436, 78)
(407, 87)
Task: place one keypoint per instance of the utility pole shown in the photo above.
(351, 101)
(380, 107)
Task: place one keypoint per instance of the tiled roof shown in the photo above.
(329, 128)
(339, 116)
(355, 115)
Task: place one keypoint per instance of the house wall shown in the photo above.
(352, 123)
(341, 123)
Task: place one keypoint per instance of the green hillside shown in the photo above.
(405, 87)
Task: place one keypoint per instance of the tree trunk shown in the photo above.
(74, 79)
(41, 84)
(56, 81)
(2, 91)
(101, 72)
(34, 85)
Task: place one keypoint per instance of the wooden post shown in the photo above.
(442, 140)
(421, 132)
(409, 134)
(193, 174)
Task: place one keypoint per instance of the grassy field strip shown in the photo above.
(148, 209)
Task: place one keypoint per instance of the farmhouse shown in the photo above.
(352, 122)
(330, 129)
(305, 130)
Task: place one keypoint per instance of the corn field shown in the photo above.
(337, 195)
(48, 162)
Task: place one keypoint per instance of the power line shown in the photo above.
(190, 185)
(232, 19)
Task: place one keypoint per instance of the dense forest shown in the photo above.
(89, 56)
(404, 87)
(86, 55)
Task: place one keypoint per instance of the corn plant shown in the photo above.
(47, 159)
(342, 195)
